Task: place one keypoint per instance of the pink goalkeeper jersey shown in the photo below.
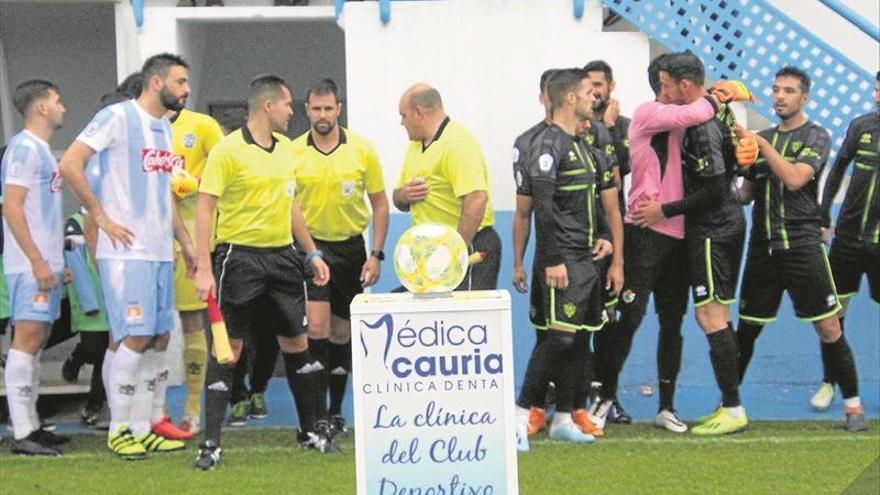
(646, 184)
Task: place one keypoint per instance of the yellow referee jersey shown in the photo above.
(330, 187)
(193, 134)
(453, 166)
(255, 188)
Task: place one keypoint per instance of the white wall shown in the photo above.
(485, 58)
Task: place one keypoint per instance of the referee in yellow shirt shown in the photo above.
(249, 181)
(445, 180)
(336, 171)
(193, 135)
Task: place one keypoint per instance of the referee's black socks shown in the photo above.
(746, 335)
(339, 368)
(302, 378)
(320, 351)
(724, 356)
(218, 386)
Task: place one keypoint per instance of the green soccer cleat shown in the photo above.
(122, 442)
(239, 415)
(710, 416)
(258, 408)
(157, 443)
(821, 400)
(721, 424)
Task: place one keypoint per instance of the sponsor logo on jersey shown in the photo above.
(865, 138)
(572, 157)
(153, 160)
(545, 162)
(56, 182)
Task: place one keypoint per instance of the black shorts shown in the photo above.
(268, 278)
(714, 268)
(346, 260)
(653, 262)
(484, 275)
(803, 271)
(578, 307)
(850, 259)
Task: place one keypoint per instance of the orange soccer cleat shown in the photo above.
(169, 430)
(582, 420)
(537, 421)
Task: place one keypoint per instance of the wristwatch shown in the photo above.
(379, 255)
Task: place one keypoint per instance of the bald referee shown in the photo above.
(335, 170)
(445, 180)
(249, 183)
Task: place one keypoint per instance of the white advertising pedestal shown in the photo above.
(433, 394)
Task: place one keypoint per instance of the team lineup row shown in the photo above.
(683, 161)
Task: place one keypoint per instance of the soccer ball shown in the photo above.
(183, 183)
(431, 258)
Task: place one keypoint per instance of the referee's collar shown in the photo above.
(342, 140)
(249, 139)
(437, 134)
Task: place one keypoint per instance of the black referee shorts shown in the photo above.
(714, 268)
(803, 271)
(271, 278)
(346, 260)
(484, 275)
(850, 259)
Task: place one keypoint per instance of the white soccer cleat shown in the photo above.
(823, 397)
(669, 420)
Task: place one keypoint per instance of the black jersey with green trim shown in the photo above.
(602, 141)
(521, 148)
(708, 155)
(621, 143)
(572, 174)
(782, 217)
(859, 217)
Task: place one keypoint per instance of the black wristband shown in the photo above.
(379, 255)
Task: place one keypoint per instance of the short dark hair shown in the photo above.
(545, 78)
(30, 91)
(158, 65)
(800, 75)
(264, 87)
(564, 81)
(654, 72)
(600, 66)
(323, 86)
(131, 85)
(684, 65)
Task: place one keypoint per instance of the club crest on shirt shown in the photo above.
(41, 302)
(347, 188)
(153, 160)
(545, 162)
(189, 141)
(796, 146)
(56, 182)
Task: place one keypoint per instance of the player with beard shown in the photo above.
(567, 299)
(337, 170)
(33, 259)
(856, 247)
(786, 252)
(138, 221)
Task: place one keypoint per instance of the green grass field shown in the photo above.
(771, 457)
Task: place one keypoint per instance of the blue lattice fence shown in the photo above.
(750, 40)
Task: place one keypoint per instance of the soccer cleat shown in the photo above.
(669, 419)
(710, 416)
(618, 414)
(239, 414)
(170, 430)
(31, 445)
(209, 456)
(122, 442)
(537, 421)
(722, 424)
(821, 400)
(258, 409)
(570, 433)
(153, 442)
(190, 424)
(70, 369)
(337, 422)
(48, 425)
(522, 435)
(855, 420)
(320, 439)
(48, 438)
(581, 418)
(599, 412)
